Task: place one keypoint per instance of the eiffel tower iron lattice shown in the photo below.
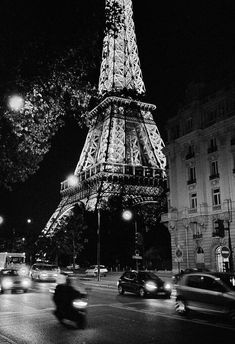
(123, 148)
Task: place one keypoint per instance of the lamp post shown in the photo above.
(128, 215)
(98, 244)
(229, 205)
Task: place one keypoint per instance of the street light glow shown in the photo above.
(1, 220)
(29, 220)
(127, 215)
(72, 180)
(15, 102)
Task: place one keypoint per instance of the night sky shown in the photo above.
(178, 42)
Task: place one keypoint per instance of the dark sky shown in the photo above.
(178, 42)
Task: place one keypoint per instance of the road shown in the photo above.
(112, 319)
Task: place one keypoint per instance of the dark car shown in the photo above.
(12, 279)
(143, 283)
(206, 292)
(178, 276)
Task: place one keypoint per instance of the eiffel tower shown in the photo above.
(123, 148)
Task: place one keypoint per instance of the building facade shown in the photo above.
(200, 153)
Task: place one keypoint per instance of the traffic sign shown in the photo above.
(225, 251)
(178, 255)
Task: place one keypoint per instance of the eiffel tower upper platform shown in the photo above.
(123, 149)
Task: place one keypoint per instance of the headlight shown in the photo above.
(26, 283)
(24, 271)
(150, 286)
(43, 275)
(7, 283)
(80, 304)
(167, 286)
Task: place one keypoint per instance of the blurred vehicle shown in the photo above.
(178, 276)
(71, 302)
(10, 260)
(206, 292)
(93, 270)
(11, 279)
(44, 272)
(70, 267)
(143, 283)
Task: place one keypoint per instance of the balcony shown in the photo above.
(197, 236)
(190, 155)
(214, 176)
(212, 149)
(191, 181)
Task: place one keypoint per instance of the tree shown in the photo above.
(55, 79)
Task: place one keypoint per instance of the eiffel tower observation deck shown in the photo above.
(123, 149)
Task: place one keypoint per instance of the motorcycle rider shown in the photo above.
(65, 294)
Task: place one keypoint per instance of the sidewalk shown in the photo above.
(110, 281)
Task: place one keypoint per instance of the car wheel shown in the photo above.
(121, 290)
(141, 292)
(180, 306)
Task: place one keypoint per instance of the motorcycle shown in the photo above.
(71, 304)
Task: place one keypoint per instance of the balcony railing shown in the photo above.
(214, 176)
(191, 181)
(212, 149)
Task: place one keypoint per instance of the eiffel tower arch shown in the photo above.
(122, 153)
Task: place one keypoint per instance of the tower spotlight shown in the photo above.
(127, 215)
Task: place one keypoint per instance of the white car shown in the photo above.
(44, 272)
(93, 270)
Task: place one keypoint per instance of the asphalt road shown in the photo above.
(112, 319)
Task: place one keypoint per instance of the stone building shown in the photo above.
(200, 153)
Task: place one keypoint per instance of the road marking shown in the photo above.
(8, 340)
(175, 317)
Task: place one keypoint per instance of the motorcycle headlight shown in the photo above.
(79, 304)
(7, 283)
(167, 286)
(150, 286)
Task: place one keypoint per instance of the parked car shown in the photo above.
(143, 283)
(12, 279)
(206, 292)
(70, 267)
(93, 270)
(44, 272)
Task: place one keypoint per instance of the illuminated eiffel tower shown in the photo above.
(123, 148)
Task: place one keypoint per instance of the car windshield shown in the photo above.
(46, 267)
(229, 280)
(148, 275)
(9, 273)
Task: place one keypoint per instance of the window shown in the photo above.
(188, 124)
(214, 170)
(216, 197)
(196, 229)
(191, 174)
(212, 145)
(190, 154)
(193, 200)
(218, 228)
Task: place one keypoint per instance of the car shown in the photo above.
(206, 292)
(71, 267)
(93, 270)
(44, 272)
(12, 279)
(178, 276)
(143, 283)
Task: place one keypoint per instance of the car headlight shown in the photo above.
(26, 283)
(7, 283)
(43, 275)
(167, 286)
(79, 304)
(24, 271)
(150, 286)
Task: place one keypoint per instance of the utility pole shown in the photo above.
(98, 243)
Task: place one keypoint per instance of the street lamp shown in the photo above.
(128, 215)
(15, 102)
(1, 220)
(72, 180)
(229, 205)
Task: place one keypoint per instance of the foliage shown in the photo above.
(68, 238)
